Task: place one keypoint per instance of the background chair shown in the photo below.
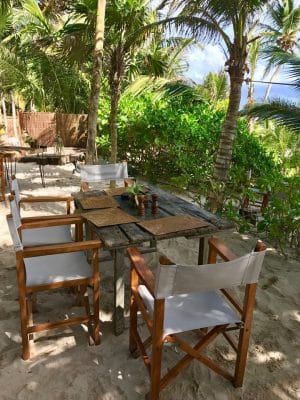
(254, 204)
(52, 267)
(106, 172)
(186, 298)
(38, 199)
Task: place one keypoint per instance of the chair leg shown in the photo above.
(24, 325)
(241, 360)
(157, 347)
(156, 358)
(244, 336)
(133, 327)
(96, 310)
(30, 301)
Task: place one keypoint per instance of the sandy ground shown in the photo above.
(65, 367)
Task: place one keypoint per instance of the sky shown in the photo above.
(211, 58)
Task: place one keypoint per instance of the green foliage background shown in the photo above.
(175, 139)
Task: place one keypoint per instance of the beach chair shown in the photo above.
(36, 231)
(38, 199)
(52, 267)
(104, 172)
(187, 298)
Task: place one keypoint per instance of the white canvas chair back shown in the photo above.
(15, 188)
(96, 173)
(182, 279)
(15, 212)
(14, 235)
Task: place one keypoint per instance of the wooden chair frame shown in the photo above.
(45, 199)
(46, 221)
(141, 274)
(79, 285)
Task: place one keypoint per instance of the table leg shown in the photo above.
(202, 248)
(119, 290)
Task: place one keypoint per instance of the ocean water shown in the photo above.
(287, 93)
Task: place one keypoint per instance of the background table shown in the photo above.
(117, 238)
(6, 156)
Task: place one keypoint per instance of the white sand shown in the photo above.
(64, 367)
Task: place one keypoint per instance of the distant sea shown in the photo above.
(287, 93)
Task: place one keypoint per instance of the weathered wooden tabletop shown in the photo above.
(117, 238)
(122, 236)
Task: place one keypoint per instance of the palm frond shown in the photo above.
(283, 112)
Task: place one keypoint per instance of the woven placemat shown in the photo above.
(176, 223)
(115, 191)
(109, 216)
(98, 202)
(120, 190)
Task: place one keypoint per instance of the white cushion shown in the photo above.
(56, 268)
(186, 312)
(48, 235)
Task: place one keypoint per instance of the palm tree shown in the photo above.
(253, 56)
(127, 25)
(31, 64)
(211, 21)
(214, 86)
(91, 149)
(280, 33)
(283, 112)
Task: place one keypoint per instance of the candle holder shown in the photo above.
(154, 203)
(141, 207)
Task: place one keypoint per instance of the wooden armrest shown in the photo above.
(142, 269)
(260, 246)
(221, 249)
(44, 223)
(49, 217)
(61, 248)
(44, 199)
(165, 260)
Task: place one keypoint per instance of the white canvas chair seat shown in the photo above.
(45, 270)
(190, 311)
(49, 235)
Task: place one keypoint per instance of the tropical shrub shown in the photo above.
(175, 140)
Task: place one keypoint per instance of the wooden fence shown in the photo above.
(44, 127)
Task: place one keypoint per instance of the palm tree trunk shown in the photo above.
(275, 73)
(4, 113)
(114, 106)
(91, 150)
(224, 154)
(14, 117)
(250, 102)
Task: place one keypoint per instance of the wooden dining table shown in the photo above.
(119, 236)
